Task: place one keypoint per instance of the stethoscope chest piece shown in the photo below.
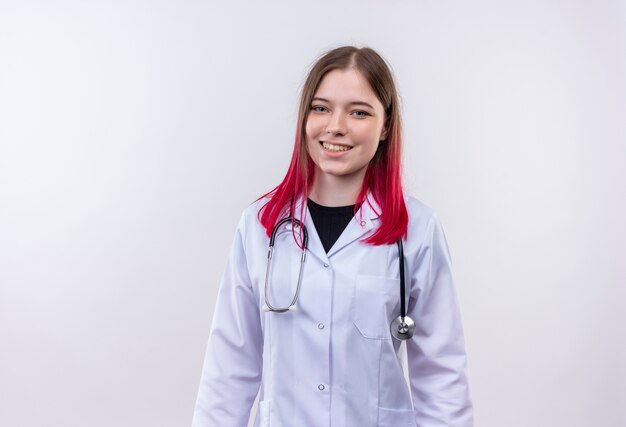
(402, 328)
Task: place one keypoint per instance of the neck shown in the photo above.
(330, 190)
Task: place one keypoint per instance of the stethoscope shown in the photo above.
(402, 327)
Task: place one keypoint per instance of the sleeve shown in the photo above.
(436, 355)
(231, 373)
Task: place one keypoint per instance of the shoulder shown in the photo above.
(423, 221)
(419, 212)
(249, 220)
(251, 211)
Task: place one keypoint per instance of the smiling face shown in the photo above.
(344, 125)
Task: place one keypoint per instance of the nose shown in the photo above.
(336, 124)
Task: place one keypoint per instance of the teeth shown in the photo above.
(331, 147)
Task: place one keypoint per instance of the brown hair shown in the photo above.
(383, 176)
(377, 73)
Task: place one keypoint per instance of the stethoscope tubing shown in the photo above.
(305, 245)
(402, 284)
(401, 327)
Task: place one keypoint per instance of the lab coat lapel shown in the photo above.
(362, 223)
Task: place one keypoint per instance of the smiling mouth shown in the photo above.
(335, 147)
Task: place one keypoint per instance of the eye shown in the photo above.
(318, 108)
(360, 114)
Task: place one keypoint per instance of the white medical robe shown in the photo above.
(332, 361)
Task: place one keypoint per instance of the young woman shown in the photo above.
(320, 334)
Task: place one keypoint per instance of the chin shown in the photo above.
(337, 173)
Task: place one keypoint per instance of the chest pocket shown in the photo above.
(376, 304)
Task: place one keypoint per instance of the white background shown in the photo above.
(133, 133)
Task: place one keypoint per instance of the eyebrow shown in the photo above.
(349, 103)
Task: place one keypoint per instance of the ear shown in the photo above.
(383, 135)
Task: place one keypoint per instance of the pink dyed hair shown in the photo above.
(383, 177)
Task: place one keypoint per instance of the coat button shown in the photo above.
(362, 223)
(320, 326)
(321, 387)
(325, 265)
